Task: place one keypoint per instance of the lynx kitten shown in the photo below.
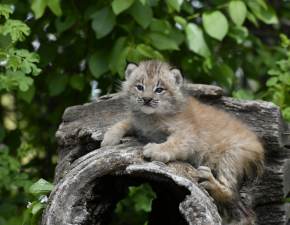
(180, 127)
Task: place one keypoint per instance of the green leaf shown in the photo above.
(195, 40)
(285, 78)
(36, 207)
(16, 29)
(5, 10)
(265, 14)
(134, 55)
(152, 3)
(41, 187)
(285, 41)
(24, 83)
(286, 116)
(77, 82)
(181, 21)
(162, 26)
(103, 22)
(162, 42)
(119, 6)
(66, 21)
(274, 72)
(143, 2)
(238, 11)
(18, 79)
(23, 60)
(142, 14)
(239, 33)
(38, 7)
(148, 52)
(54, 6)
(224, 75)
(215, 24)
(175, 4)
(117, 60)
(252, 18)
(98, 63)
(27, 95)
(57, 84)
(243, 94)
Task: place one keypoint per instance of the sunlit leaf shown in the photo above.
(239, 33)
(215, 24)
(16, 29)
(267, 15)
(243, 94)
(237, 11)
(119, 6)
(54, 6)
(41, 187)
(195, 40)
(175, 4)
(149, 52)
(181, 21)
(38, 7)
(36, 207)
(162, 42)
(5, 10)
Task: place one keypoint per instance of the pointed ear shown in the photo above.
(177, 76)
(129, 69)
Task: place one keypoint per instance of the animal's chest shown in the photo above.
(150, 129)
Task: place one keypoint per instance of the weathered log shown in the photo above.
(90, 180)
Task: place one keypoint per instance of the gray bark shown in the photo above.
(90, 180)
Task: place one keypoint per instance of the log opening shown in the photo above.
(165, 207)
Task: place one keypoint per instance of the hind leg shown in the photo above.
(218, 189)
(223, 193)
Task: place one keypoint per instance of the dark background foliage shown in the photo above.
(50, 63)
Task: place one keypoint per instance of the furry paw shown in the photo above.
(110, 140)
(206, 178)
(155, 152)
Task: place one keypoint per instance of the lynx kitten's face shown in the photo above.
(153, 87)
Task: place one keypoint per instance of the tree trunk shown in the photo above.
(90, 180)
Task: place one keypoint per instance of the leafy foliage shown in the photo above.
(39, 191)
(134, 208)
(17, 64)
(231, 43)
(279, 82)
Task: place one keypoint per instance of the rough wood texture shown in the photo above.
(90, 180)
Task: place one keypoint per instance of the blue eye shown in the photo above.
(159, 90)
(139, 87)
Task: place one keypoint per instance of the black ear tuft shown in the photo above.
(129, 69)
(177, 76)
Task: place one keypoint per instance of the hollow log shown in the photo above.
(90, 180)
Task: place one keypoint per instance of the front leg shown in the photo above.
(177, 147)
(116, 132)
